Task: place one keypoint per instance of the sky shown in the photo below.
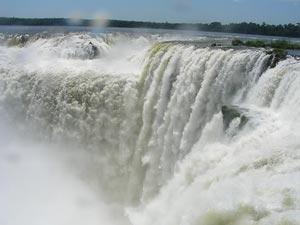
(225, 11)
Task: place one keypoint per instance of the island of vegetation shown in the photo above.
(277, 44)
(286, 30)
(278, 48)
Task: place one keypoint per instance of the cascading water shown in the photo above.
(172, 132)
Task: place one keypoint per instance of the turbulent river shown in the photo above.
(146, 129)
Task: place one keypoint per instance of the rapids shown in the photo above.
(137, 133)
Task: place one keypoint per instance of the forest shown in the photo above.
(284, 30)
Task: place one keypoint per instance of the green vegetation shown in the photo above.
(278, 44)
(286, 30)
(237, 42)
(256, 43)
(276, 48)
(33, 22)
(278, 52)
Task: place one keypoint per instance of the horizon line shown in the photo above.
(147, 21)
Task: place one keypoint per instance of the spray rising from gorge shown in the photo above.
(151, 130)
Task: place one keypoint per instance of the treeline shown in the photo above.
(39, 21)
(84, 22)
(287, 30)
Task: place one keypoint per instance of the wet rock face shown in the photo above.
(276, 56)
(230, 113)
(93, 50)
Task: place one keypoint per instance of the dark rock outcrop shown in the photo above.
(230, 113)
(276, 56)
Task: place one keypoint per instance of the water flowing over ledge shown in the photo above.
(151, 119)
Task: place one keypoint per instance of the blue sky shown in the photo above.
(269, 11)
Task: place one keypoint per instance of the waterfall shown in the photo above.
(177, 132)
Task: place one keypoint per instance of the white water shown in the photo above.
(137, 135)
